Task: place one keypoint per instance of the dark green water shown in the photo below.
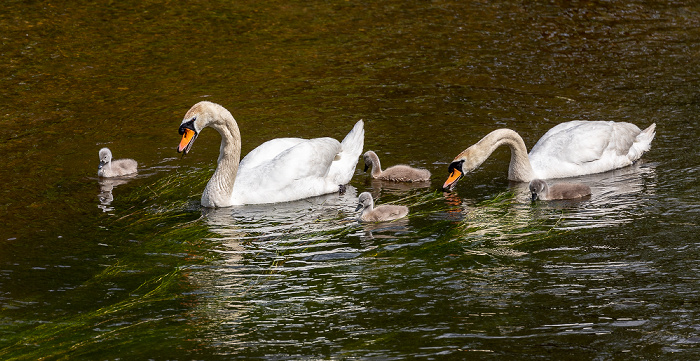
(138, 270)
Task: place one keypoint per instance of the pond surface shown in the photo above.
(136, 269)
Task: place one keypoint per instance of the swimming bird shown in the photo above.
(114, 168)
(397, 173)
(569, 149)
(540, 190)
(279, 170)
(383, 213)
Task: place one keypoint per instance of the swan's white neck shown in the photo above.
(220, 187)
(520, 169)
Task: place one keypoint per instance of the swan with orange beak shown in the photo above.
(569, 149)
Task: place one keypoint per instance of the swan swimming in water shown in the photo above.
(383, 213)
(397, 173)
(114, 168)
(540, 190)
(279, 170)
(569, 149)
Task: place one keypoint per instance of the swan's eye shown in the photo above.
(187, 125)
(455, 165)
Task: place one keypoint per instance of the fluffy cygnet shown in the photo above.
(382, 213)
(540, 190)
(114, 168)
(397, 173)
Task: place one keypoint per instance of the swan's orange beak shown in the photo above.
(188, 137)
(456, 174)
(452, 180)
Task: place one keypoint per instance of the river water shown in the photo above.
(135, 269)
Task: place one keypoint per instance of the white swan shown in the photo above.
(540, 190)
(279, 170)
(569, 149)
(397, 173)
(383, 213)
(114, 168)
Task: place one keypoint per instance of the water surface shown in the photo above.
(136, 269)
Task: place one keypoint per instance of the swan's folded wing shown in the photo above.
(309, 159)
(267, 151)
(576, 142)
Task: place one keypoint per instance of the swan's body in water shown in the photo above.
(383, 213)
(115, 168)
(279, 170)
(540, 190)
(569, 149)
(397, 173)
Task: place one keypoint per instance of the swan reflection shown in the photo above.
(617, 197)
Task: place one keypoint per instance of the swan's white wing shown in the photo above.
(268, 150)
(298, 172)
(583, 147)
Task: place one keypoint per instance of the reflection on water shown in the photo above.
(479, 273)
(107, 186)
(617, 197)
(378, 186)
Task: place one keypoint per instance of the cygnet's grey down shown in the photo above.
(115, 168)
(540, 190)
(383, 213)
(397, 173)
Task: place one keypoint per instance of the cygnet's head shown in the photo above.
(365, 200)
(368, 159)
(105, 157)
(537, 187)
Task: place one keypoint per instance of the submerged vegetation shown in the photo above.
(161, 235)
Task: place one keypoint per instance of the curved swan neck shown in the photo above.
(520, 168)
(376, 165)
(220, 187)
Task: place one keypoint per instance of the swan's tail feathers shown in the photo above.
(343, 167)
(354, 142)
(642, 143)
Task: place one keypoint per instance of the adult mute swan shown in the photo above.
(397, 173)
(279, 170)
(569, 149)
(114, 168)
(383, 213)
(542, 191)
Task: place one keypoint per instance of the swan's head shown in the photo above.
(368, 159)
(201, 115)
(105, 157)
(537, 187)
(364, 201)
(456, 173)
(465, 162)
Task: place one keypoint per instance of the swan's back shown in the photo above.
(287, 169)
(585, 147)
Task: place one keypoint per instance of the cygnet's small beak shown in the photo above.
(534, 196)
(366, 167)
(359, 206)
(102, 164)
